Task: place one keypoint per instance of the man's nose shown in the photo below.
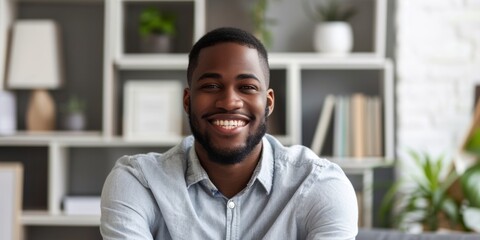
(229, 100)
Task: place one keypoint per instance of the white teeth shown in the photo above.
(229, 124)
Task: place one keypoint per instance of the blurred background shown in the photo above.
(384, 88)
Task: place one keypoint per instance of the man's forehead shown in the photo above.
(220, 45)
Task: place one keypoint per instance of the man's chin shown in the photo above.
(228, 155)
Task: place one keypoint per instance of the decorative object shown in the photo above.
(11, 187)
(152, 110)
(261, 22)
(333, 34)
(75, 118)
(156, 30)
(425, 201)
(35, 64)
(8, 113)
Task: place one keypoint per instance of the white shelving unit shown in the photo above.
(116, 60)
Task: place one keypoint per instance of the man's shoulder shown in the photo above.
(143, 163)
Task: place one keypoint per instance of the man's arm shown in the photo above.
(332, 210)
(128, 209)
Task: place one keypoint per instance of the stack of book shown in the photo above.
(357, 126)
(82, 205)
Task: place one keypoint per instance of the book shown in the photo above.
(339, 127)
(82, 205)
(358, 102)
(341, 135)
(323, 123)
(369, 126)
(377, 127)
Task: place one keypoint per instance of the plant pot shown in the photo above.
(333, 38)
(156, 44)
(75, 122)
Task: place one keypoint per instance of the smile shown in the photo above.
(229, 124)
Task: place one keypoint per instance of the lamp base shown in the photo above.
(40, 111)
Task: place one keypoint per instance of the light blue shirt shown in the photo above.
(293, 194)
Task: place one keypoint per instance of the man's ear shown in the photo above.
(186, 100)
(270, 100)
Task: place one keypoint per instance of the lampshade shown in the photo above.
(35, 64)
(35, 55)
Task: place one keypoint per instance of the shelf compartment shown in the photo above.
(79, 162)
(81, 27)
(34, 160)
(183, 10)
(294, 34)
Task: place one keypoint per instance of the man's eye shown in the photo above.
(210, 86)
(249, 88)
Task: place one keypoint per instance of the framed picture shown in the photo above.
(11, 188)
(153, 110)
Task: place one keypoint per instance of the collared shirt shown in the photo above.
(293, 194)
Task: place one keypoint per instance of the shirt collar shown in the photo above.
(263, 172)
(195, 172)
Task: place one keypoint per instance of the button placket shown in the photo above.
(232, 218)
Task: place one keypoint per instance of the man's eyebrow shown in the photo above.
(209, 75)
(217, 76)
(246, 76)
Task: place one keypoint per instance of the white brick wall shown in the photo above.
(438, 66)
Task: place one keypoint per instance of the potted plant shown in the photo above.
(425, 200)
(75, 118)
(261, 22)
(156, 30)
(333, 33)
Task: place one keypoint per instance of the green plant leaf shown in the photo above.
(471, 217)
(451, 209)
(330, 10)
(470, 183)
(152, 21)
(473, 143)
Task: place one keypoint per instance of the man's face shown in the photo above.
(228, 102)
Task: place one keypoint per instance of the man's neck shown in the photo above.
(230, 179)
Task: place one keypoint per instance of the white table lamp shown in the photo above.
(35, 64)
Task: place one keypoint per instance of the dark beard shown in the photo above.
(227, 156)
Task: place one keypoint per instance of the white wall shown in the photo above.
(438, 66)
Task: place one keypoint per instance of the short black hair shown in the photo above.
(223, 35)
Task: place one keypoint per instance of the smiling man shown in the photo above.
(229, 180)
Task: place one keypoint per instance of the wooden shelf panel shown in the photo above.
(277, 60)
(23, 138)
(359, 164)
(43, 218)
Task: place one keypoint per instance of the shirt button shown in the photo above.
(230, 204)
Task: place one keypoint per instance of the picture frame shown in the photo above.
(11, 198)
(153, 110)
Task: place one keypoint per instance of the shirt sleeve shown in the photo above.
(331, 206)
(126, 205)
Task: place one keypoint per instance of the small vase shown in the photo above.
(156, 44)
(334, 38)
(75, 122)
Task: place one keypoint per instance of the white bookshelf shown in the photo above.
(291, 65)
